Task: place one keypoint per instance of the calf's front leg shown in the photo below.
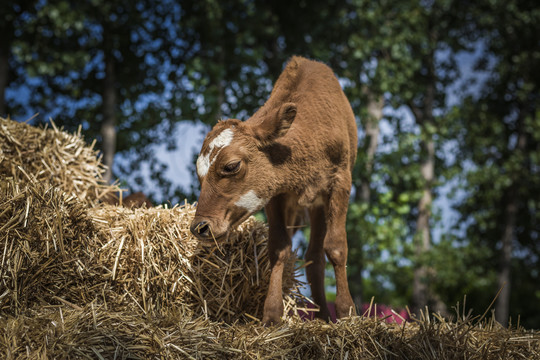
(279, 249)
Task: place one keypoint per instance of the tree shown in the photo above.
(501, 141)
(126, 40)
(375, 67)
(405, 53)
(444, 25)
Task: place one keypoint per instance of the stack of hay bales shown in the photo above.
(80, 279)
(61, 246)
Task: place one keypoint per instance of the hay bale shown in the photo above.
(144, 257)
(152, 256)
(43, 233)
(55, 157)
(93, 332)
(58, 250)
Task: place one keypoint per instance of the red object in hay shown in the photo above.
(383, 312)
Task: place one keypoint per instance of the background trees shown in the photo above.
(435, 133)
(500, 140)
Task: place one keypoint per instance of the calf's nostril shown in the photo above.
(203, 228)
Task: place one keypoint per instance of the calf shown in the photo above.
(295, 152)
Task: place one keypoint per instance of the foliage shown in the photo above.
(500, 142)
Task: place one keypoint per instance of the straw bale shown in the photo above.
(53, 156)
(151, 256)
(42, 236)
(143, 256)
(57, 250)
(93, 332)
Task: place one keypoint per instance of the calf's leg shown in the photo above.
(279, 249)
(335, 244)
(315, 255)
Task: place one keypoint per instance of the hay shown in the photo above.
(43, 234)
(80, 279)
(55, 157)
(61, 332)
(151, 256)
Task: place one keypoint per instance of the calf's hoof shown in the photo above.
(272, 316)
(268, 323)
(345, 309)
(273, 309)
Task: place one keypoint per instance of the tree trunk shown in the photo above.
(375, 112)
(4, 71)
(420, 296)
(424, 115)
(502, 305)
(221, 84)
(363, 194)
(422, 240)
(108, 128)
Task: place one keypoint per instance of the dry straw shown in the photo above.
(154, 261)
(93, 332)
(79, 279)
(53, 156)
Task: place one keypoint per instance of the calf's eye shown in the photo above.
(231, 168)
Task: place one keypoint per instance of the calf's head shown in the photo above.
(236, 170)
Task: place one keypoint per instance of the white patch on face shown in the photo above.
(251, 202)
(222, 140)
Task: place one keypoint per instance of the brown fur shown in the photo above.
(134, 200)
(137, 200)
(296, 152)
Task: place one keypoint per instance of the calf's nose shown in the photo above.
(201, 229)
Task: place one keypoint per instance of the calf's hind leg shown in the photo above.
(335, 245)
(315, 255)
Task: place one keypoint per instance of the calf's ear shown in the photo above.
(277, 125)
(285, 117)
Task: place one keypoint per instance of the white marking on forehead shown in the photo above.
(251, 202)
(222, 140)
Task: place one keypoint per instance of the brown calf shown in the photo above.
(295, 152)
